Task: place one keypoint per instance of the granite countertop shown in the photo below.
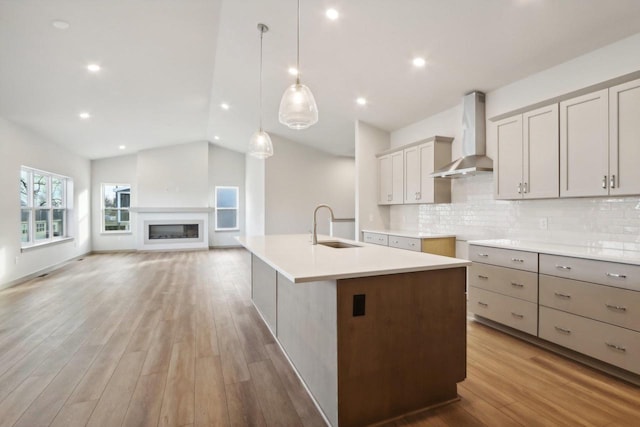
(298, 260)
(587, 252)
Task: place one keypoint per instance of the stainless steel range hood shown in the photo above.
(474, 160)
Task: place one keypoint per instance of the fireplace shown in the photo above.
(165, 231)
(168, 229)
(173, 231)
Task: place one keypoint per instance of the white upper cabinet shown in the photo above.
(584, 145)
(624, 139)
(419, 163)
(527, 155)
(541, 171)
(391, 178)
(508, 170)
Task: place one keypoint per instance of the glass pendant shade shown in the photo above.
(298, 109)
(260, 145)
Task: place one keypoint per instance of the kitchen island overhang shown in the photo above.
(373, 332)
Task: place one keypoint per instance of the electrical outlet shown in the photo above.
(543, 224)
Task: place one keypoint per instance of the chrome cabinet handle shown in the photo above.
(616, 276)
(480, 276)
(563, 267)
(483, 304)
(563, 330)
(616, 347)
(412, 244)
(519, 188)
(604, 182)
(418, 195)
(612, 181)
(525, 191)
(517, 285)
(616, 307)
(516, 315)
(517, 260)
(388, 197)
(483, 255)
(560, 295)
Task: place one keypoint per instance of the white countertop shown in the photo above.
(414, 234)
(298, 260)
(601, 254)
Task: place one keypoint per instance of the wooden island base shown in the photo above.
(372, 348)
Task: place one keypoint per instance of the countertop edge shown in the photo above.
(612, 255)
(349, 275)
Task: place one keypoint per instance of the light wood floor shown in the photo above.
(172, 339)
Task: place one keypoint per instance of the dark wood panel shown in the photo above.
(407, 351)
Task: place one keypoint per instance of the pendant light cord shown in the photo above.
(298, 48)
(260, 91)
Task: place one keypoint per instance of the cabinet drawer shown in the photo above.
(504, 257)
(620, 307)
(375, 238)
(405, 243)
(507, 281)
(603, 272)
(611, 344)
(513, 312)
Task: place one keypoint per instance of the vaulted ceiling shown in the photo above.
(167, 65)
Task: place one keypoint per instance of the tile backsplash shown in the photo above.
(605, 222)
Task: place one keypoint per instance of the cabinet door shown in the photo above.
(426, 153)
(411, 175)
(508, 172)
(397, 178)
(541, 164)
(624, 139)
(384, 180)
(584, 145)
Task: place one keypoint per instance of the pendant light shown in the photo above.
(260, 145)
(298, 109)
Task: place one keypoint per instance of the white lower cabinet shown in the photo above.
(408, 243)
(611, 344)
(502, 293)
(586, 305)
(375, 238)
(513, 312)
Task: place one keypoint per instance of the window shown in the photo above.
(116, 201)
(43, 206)
(227, 208)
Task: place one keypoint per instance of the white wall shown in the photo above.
(19, 147)
(474, 214)
(226, 168)
(113, 170)
(174, 176)
(254, 196)
(298, 178)
(369, 141)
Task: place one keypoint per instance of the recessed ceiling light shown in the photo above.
(361, 101)
(84, 115)
(216, 137)
(419, 62)
(332, 14)
(293, 71)
(60, 25)
(94, 68)
(224, 106)
(122, 147)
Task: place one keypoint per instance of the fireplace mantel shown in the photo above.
(170, 209)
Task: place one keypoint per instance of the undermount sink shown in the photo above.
(338, 245)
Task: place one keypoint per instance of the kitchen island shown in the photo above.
(373, 332)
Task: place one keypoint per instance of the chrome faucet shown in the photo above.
(314, 241)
